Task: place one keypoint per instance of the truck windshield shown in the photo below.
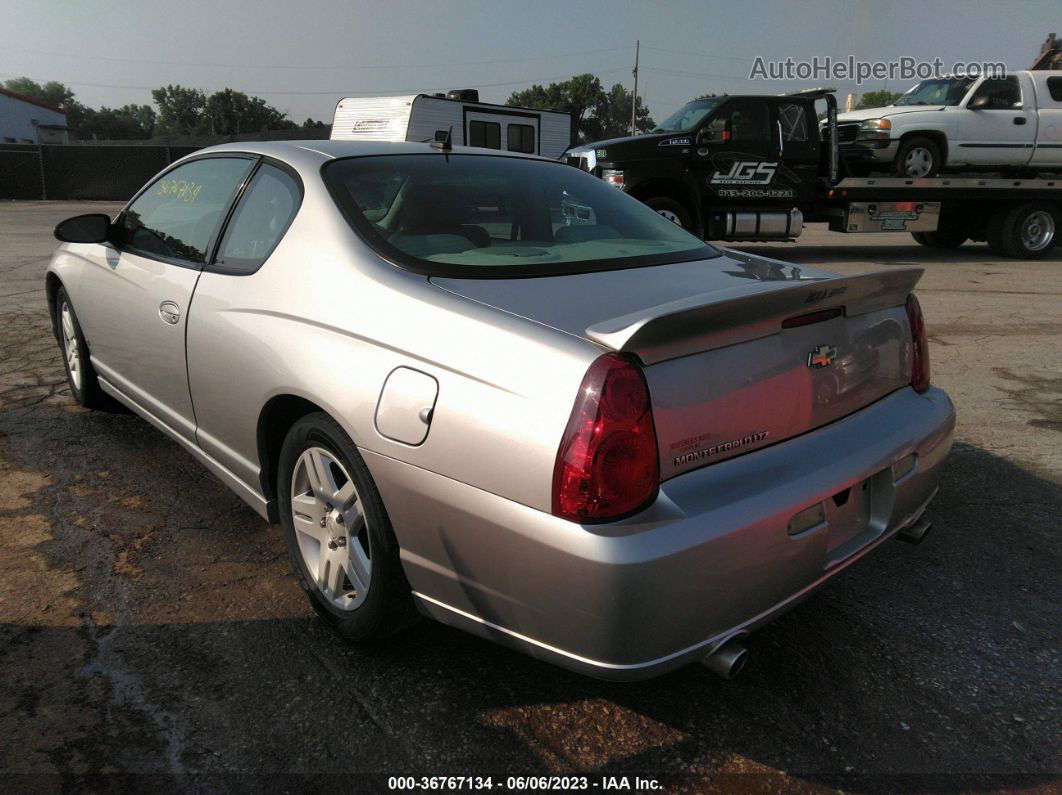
(688, 116)
(483, 215)
(946, 91)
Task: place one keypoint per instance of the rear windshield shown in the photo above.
(487, 216)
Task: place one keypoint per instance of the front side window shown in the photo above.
(486, 134)
(741, 121)
(484, 216)
(264, 213)
(178, 215)
(1003, 94)
(521, 138)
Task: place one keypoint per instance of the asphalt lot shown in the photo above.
(149, 625)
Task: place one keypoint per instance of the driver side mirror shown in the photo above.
(91, 228)
(979, 102)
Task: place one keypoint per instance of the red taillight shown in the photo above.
(919, 346)
(608, 464)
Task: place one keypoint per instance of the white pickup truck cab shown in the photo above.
(1010, 123)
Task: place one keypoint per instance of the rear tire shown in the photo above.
(339, 538)
(80, 374)
(1024, 231)
(918, 157)
(672, 211)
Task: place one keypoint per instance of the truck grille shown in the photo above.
(846, 133)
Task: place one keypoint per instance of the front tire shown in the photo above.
(80, 374)
(338, 535)
(918, 157)
(672, 211)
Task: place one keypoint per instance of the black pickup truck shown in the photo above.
(740, 168)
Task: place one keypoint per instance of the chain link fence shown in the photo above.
(81, 172)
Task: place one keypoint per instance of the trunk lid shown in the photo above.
(739, 352)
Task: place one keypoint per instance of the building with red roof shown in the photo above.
(24, 120)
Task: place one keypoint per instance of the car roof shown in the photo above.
(312, 154)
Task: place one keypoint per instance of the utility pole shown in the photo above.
(634, 98)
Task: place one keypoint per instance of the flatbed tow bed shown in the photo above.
(755, 168)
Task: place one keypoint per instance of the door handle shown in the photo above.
(170, 312)
(1020, 120)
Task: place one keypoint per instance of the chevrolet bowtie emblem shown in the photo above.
(822, 356)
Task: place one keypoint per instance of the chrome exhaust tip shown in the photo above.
(916, 532)
(727, 661)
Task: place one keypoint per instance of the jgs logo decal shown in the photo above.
(745, 169)
(746, 172)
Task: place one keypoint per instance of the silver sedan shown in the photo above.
(496, 391)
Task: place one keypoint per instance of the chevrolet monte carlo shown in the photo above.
(494, 390)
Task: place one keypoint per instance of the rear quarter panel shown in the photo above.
(326, 320)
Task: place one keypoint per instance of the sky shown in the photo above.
(302, 56)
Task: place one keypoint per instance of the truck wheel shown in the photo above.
(1024, 231)
(671, 210)
(918, 157)
(942, 238)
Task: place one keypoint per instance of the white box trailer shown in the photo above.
(425, 117)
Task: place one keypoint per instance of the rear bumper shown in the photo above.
(712, 558)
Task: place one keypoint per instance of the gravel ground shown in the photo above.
(149, 625)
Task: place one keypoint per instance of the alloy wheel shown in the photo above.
(330, 528)
(70, 347)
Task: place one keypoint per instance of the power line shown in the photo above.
(336, 67)
(716, 75)
(688, 54)
(342, 92)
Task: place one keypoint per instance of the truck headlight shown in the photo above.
(613, 177)
(875, 130)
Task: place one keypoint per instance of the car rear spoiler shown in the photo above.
(717, 319)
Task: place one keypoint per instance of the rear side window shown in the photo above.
(486, 134)
(262, 217)
(1054, 86)
(794, 119)
(521, 138)
(178, 215)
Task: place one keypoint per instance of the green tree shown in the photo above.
(877, 99)
(231, 112)
(181, 110)
(595, 113)
(128, 122)
(613, 114)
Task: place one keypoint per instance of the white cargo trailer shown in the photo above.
(426, 117)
